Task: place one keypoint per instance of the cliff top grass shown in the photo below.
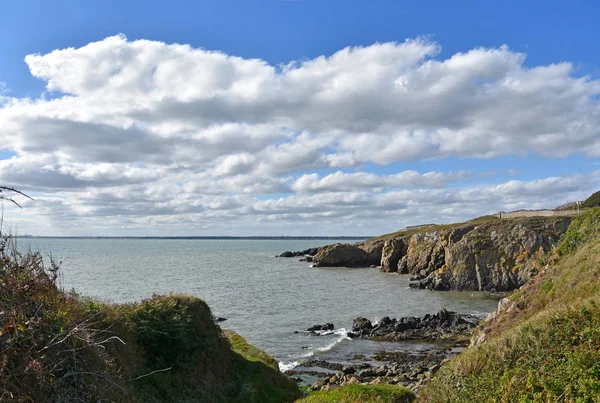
(57, 346)
(545, 344)
(362, 394)
(410, 231)
(592, 201)
(487, 219)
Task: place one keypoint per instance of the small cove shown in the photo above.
(264, 298)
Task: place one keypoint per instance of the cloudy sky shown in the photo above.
(293, 117)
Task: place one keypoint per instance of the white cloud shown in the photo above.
(150, 132)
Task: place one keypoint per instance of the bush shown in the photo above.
(48, 350)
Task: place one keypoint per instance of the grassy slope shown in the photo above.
(592, 201)
(362, 394)
(545, 346)
(56, 346)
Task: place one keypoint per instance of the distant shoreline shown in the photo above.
(251, 238)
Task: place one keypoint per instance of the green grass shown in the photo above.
(362, 394)
(248, 351)
(592, 201)
(555, 355)
(546, 347)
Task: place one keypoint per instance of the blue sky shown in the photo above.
(320, 148)
(286, 30)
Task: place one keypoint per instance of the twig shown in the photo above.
(150, 373)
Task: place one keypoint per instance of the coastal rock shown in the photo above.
(442, 326)
(488, 254)
(348, 369)
(363, 254)
(392, 251)
(306, 252)
(361, 326)
(339, 254)
(498, 257)
(327, 326)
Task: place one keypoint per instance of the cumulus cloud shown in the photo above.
(142, 132)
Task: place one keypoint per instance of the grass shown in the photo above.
(546, 346)
(362, 394)
(406, 233)
(592, 201)
(248, 351)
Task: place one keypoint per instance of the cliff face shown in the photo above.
(485, 255)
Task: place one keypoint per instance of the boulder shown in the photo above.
(348, 369)
(339, 255)
(360, 325)
(326, 326)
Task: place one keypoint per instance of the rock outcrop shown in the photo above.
(346, 255)
(487, 254)
(392, 251)
(307, 252)
(442, 326)
(495, 257)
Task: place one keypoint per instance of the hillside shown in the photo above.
(57, 346)
(543, 344)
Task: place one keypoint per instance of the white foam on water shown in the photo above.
(286, 366)
(343, 333)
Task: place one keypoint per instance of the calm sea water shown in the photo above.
(264, 298)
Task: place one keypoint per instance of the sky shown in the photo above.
(293, 117)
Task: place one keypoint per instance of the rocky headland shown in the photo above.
(485, 254)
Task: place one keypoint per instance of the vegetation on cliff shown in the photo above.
(592, 201)
(544, 342)
(362, 394)
(57, 346)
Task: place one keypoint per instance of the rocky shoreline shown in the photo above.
(447, 333)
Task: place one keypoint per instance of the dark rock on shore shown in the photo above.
(324, 364)
(443, 326)
(347, 255)
(326, 326)
(361, 324)
(306, 252)
(410, 369)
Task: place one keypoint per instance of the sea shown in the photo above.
(270, 301)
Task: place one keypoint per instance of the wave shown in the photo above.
(284, 367)
(343, 333)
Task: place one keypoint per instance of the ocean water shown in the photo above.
(264, 298)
